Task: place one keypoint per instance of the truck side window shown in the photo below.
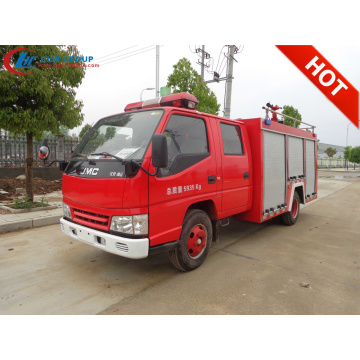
(231, 136)
(187, 143)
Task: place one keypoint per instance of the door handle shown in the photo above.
(211, 179)
(246, 175)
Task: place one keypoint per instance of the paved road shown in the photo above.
(255, 269)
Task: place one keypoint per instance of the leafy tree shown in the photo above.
(355, 155)
(41, 101)
(64, 130)
(347, 155)
(330, 152)
(84, 130)
(291, 111)
(186, 79)
(110, 132)
(94, 142)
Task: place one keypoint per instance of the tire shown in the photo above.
(195, 241)
(290, 217)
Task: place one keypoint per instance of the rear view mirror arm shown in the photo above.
(144, 170)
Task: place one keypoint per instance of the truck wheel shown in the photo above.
(290, 217)
(195, 241)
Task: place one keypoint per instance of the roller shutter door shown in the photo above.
(274, 170)
(310, 167)
(296, 156)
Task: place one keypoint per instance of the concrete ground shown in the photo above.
(310, 268)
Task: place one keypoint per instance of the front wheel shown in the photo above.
(290, 217)
(195, 241)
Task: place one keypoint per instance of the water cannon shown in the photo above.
(274, 116)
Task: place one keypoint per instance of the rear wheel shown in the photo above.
(290, 217)
(195, 241)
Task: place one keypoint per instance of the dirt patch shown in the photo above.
(40, 186)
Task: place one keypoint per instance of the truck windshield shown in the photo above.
(126, 136)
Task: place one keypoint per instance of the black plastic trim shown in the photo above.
(183, 162)
(158, 249)
(129, 236)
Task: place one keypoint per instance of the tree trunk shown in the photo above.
(347, 164)
(29, 167)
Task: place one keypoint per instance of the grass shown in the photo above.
(27, 204)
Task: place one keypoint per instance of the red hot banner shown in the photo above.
(325, 77)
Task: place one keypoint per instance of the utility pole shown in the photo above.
(204, 55)
(229, 77)
(157, 91)
(202, 62)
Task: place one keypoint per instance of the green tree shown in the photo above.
(84, 130)
(186, 79)
(330, 152)
(355, 155)
(110, 132)
(347, 155)
(64, 130)
(41, 101)
(291, 111)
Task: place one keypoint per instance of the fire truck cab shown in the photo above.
(161, 175)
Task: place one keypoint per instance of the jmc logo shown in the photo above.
(90, 171)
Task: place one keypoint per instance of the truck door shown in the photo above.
(189, 178)
(236, 189)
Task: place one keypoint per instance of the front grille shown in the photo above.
(122, 247)
(93, 220)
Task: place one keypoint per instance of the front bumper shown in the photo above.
(130, 248)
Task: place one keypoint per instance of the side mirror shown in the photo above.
(159, 151)
(44, 150)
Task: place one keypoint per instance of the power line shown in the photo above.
(216, 69)
(117, 52)
(221, 65)
(127, 56)
(191, 50)
(131, 52)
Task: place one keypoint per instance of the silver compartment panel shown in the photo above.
(274, 170)
(296, 156)
(310, 167)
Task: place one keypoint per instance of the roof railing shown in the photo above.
(310, 127)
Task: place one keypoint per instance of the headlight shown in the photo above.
(66, 210)
(140, 224)
(122, 224)
(134, 225)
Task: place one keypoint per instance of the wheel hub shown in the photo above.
(196, 241)
(294, 208)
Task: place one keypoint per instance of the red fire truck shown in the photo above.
(162, 175)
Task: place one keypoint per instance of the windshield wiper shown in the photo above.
(80, 155)
(108, 154)
(90, 161)
(124, 162)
